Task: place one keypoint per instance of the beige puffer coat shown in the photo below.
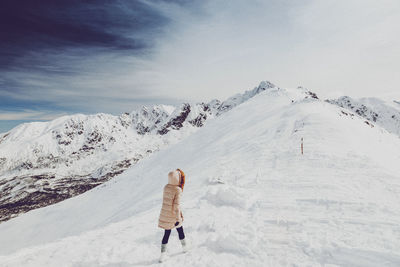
(170, 211)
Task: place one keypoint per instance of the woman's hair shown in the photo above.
(182, 178)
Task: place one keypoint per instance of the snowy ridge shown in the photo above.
(250, 199)
(385, 114)
(240, 98)
(42, 163)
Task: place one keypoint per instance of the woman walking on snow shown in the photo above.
(171, 214)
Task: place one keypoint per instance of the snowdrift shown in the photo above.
(251, 198)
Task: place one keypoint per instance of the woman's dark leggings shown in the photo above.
(168, 232)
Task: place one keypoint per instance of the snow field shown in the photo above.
(251, 198)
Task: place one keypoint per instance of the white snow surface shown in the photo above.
(250, 199)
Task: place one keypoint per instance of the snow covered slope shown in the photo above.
(251, 198)
(42, 163)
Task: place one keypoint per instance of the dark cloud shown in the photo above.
(47, 27)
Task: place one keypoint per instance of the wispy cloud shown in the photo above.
(29, 115)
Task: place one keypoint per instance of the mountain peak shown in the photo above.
(264, 85)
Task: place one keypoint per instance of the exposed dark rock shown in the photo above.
(94, 138)
(86, 148)
(347, 114)
(26, 165)
(361, 109)
(177, 122)
(47, 192)
(199, 121)
(370, 124)
(141, 129)
(312, 95)
(4, 137)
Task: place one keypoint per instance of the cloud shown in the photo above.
(348, 46)
(75, 56)
(48, 26)
(29, 115)
(112, 56)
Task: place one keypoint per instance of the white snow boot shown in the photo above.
(163, 256)
(184, 246)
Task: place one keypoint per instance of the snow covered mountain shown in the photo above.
(42, 163)
(384, 113)
(251, 198)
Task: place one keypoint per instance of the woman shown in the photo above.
(171, 214)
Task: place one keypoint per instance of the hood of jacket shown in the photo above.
(173, 178)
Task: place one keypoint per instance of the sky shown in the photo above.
(60, 57)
